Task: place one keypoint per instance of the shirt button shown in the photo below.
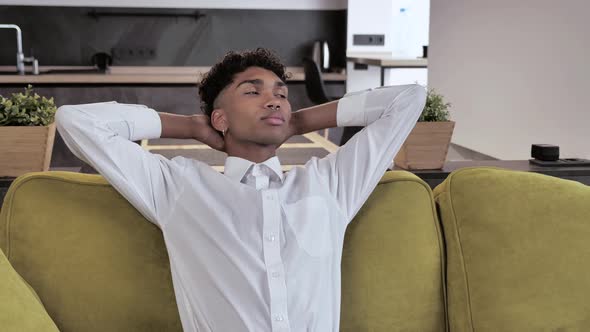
(270, 237)
(276, 274)
(279, 318)
(270, 197)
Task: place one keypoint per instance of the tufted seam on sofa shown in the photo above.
(396, 176)
(457, 234)
(442, 252)
(448, 191)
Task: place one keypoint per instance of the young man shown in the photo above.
(252, 249)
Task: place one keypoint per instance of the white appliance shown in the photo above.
(403, 24)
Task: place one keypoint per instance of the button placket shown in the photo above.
(270, 237)
(261, 180)
(273, 262)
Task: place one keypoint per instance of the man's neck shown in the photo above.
(253, 152)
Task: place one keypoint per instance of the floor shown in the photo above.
(296, 151)
(459, 153)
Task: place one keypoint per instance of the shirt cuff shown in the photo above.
(146, 123)
(351, 109)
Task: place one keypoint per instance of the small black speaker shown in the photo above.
(545, 152)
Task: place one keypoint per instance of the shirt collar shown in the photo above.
(236, 167)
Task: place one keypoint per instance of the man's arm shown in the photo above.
(388, 115)
(102, 135)
(191, 126)
(314, 118)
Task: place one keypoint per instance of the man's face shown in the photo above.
(255, 107)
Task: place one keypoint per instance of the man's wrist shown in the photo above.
(196, 126)
(314, 118)
(179, 126)
(296, 124)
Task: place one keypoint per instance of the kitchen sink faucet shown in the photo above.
(20, 57)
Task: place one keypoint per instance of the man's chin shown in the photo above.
(271, 140)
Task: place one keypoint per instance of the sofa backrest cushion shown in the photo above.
(518, 251)
(392, 262)
(98, 265)
(95, 262)
(20, 309)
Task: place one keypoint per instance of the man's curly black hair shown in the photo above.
(222, 73)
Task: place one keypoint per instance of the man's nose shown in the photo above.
(274, 104)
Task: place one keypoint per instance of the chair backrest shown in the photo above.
(314, 84)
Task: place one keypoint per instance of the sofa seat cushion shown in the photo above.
(518, 251)
(94, 260)
(392, 261)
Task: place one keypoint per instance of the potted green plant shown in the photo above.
(27, 131)
(428, 143)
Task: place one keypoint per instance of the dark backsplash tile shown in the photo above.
(70, 36)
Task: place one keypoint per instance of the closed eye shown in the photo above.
(252, 92)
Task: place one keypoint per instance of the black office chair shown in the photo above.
(316, 91)
(314, 84)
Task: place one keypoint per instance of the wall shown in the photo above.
(516, 73)
(69, 36)
(373, 19)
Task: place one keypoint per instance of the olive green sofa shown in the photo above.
(488, 250)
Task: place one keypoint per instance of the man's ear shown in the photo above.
(219, 120)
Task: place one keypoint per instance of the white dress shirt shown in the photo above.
(252, 249)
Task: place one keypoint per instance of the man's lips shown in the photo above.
(276, 120)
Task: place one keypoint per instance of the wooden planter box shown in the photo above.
(426, 147)
(25, 149)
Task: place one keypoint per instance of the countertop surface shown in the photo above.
(385, 60)
(126, 75)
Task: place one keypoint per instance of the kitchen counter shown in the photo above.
(436, 176)
(129, 75)
(386, 62)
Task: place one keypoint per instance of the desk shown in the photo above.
(436, 176)
(388, 63)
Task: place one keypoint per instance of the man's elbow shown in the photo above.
(418, 91)
(64, 117)
(418, 94)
